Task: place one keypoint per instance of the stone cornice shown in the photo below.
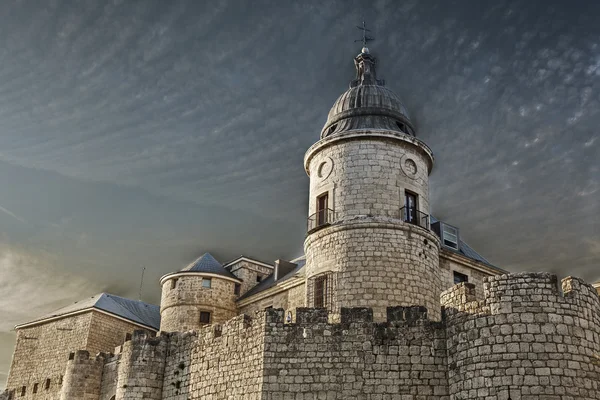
(198, 274)
(371, 134)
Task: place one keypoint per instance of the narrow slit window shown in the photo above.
(47, 384)
(237, 289)
(173, 283)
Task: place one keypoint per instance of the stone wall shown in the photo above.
(378, 264)
(288, 300)
(42, 352)
(250, 273)
(110, 374)
(83, 376)
(141, 368)
(107, 332)
(367, 175)
(450, 262)
(182, 303)
(526, 340)
(403, 358)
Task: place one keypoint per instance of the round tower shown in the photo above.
(202, 293)
(369, 242)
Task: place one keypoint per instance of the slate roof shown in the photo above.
(132, 310)
(269, 282)
(467, 250)
(208, 264)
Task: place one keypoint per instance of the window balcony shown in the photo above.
(415, 217)
(320, 219)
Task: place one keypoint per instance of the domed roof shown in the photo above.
(367, 104)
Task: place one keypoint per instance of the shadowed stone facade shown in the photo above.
(371, 312)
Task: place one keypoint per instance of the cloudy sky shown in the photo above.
(142, 133)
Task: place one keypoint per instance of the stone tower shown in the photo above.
(369, 242)
(202, 293)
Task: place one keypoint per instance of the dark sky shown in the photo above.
(143, 133)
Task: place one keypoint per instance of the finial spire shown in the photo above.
(365, 39)
(365, 62)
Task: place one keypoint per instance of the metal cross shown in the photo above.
(365, 39)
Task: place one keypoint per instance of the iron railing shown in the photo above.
(415, 217)
(320, 218)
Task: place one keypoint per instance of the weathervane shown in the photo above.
(365, 39)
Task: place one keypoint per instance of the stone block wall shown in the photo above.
(449, 263)
(250, 273)
(107, 332)
(402, 358)
(526, 340)
(182, 302)
(378, 264)
(42, 352)
(83, 376)
(366, 174)
(141, 368)
(288, 299)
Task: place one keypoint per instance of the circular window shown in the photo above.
(325, 168)
(409, 166)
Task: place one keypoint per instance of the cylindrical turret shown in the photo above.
(202, 293)
(369, 242)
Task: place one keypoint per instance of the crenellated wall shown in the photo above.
(141, 368)
(83, 376)
(526, 340)
(402, 358)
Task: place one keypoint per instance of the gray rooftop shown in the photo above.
(208, 264)
(132, 310)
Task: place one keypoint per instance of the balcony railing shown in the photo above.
(414, 216)
(320, 219)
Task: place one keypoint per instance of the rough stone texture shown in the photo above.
(141, 369)
(180, 306)
(52, 342)
(355, 359)
(378, 264)
(450, 262)
(83, 377)
(524, 337)
(110, 375)
(288, 300)
(367, 176)
(248, 272)
(375, 258)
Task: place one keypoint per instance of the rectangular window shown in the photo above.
(35, 387)
(204, 317)
(23, 390)
(47, 385)
(459, 278)
(237, 289)
(410, 204)
(320, 291)
(173, 283)
(322, 207)
(258, 278)
(206, 283)
(450, 236)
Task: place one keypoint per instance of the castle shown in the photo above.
(387, 303)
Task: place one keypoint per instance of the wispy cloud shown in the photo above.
(4, 210)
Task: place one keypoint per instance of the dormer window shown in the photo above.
(448, 234)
